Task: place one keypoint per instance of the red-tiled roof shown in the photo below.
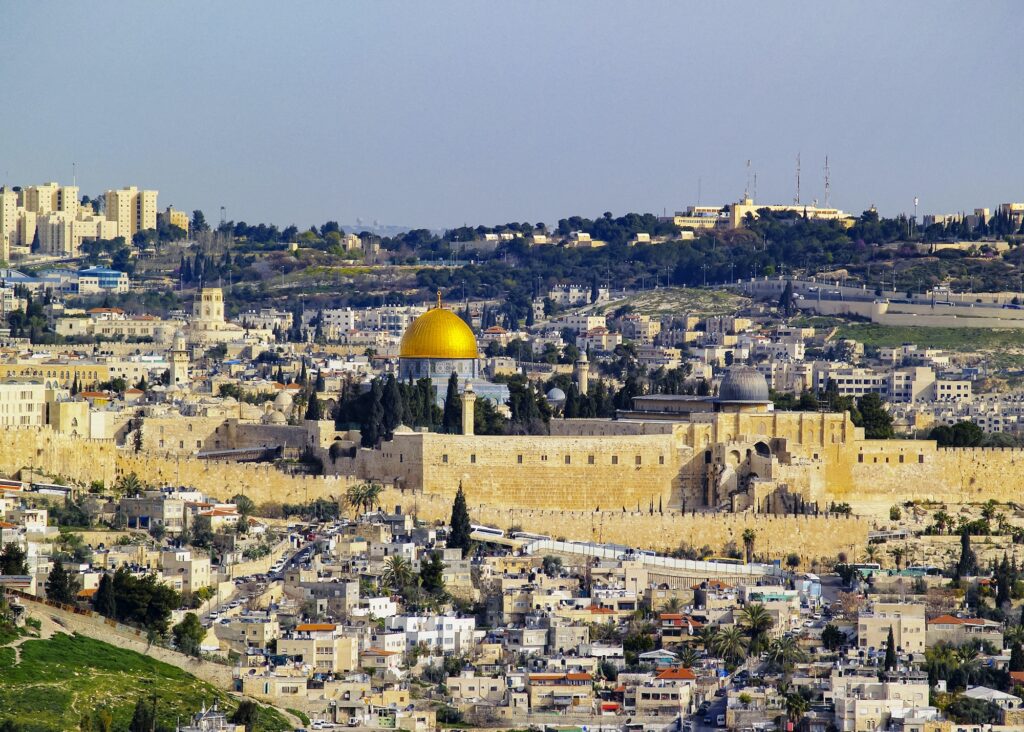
(679, 673)
(953, 620)
(313, 627)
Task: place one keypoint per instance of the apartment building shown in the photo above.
(193, 570)
(133, 210)
(905, 619)
(321, 646)
(22, 405)
(865, 703)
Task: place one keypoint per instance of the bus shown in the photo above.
(487, 531)
(725, 560)
(527, 536)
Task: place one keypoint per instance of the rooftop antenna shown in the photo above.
(746, 191)
(797, 199)
(223, 215)
(698, 189)
(828, 184)
(754, 196)
(74, 174)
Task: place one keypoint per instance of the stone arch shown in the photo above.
(762, 449)
(733, 458)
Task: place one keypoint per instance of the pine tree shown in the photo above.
(60, 587)
(458, 537)
(451, 423)
(104, 601)
(786, 300)
(279, 377)
(890, 652)
(143, 718)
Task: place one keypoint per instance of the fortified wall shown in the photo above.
(45, 451)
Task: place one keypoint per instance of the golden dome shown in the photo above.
(438, 333)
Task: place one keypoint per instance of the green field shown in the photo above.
(951, 339)
(680, 301)
(58, 680)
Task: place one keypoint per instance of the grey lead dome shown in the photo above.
(743, 384)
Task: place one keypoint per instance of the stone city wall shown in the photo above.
(261, 482)
(78, 460)
(811, 537)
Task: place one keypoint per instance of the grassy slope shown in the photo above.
(59, 679)
(680, 301)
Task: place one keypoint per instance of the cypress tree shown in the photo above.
(320, 384)
(392, 403)
(890, 652)
(103, 601)
(60, 586)
(451, 422)
(968, 563)
(314, 411)
(372, 430)
(458, 538)
(1016, 657)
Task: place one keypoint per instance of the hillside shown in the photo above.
(49, 684)
(680, 301)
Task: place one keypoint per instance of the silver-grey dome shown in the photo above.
(743, 384)
(555, 395)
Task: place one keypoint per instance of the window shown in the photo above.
(920, 458)
(615, 459)
(472, 459)
(860, 458)
(567, 460)
(590, 460)
(444, 458)
(543, 458)
(661, 459)
(638, 461)
(519, 459)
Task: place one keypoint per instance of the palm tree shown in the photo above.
(354, 497)
(397, 573)
(871, 552)
(371, 495)
(1014, 634)
(756, 621)
(942, 521)
(749, 535)
(708, 637)
(796, 707)
(672, 605)
(897, 555)
(688, 656)
(128, 485)
(731, 644)
(784, 652)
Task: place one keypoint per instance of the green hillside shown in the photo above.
(55, 682)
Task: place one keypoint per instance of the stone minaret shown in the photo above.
(179, 360)
(468, 406)
(582, 368)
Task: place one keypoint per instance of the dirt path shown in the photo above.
(46, 630)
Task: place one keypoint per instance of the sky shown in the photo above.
(445, 113)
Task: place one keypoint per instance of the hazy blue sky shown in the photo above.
(439, 113)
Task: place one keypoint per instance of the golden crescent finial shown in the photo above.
(439, 297)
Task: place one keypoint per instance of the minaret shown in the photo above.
(468, 407)
(582, 369)
(179, 360)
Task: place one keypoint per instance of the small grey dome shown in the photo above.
(556, 395)
(743, 384)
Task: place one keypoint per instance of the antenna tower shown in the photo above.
(223, 215)
(797, 199)
(746, 191)
(828, 184)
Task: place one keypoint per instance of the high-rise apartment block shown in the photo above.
(132, 210)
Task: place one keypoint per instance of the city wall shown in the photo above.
(80, 461)
(811, 537)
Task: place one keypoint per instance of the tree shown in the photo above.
(832, 638)
(551, 565)
(103, 601)
(245, 505)
(248, 714)
(756, 621)
(876, 421)
(144, 717)
(1016, 657)
(188, 635)
(431, 574)
(749, 535)
(461, 528)
(967, 565)
(12, 560)
(783, 652)
(890, 652)
(199, 221)
(451, 422)
(313, 409)
(60, 586)
(391, 401)
(730, 644)
(201, 533)
(786, 299)
(397, 574)
(372, 430)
